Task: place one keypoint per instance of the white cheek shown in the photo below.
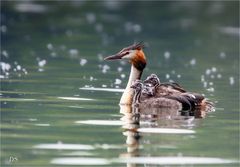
(130, 55)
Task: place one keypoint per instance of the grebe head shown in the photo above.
(152, 80)
(133, 53)
(137, 85)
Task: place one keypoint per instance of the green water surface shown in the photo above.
(51, 50)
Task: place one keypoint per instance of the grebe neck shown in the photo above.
(127, 96)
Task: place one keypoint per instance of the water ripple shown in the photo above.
(166, 130)
(103, 89)
(142, 160)
(80, 161)
(101, 122)
(175, 160)
(61, 146)
(75, 98)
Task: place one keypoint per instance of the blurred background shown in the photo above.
(52, 65)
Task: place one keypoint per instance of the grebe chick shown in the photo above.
(161, 102)
(152, 80)
(150, 85)
(137, 86)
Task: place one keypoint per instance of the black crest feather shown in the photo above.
(135, 46)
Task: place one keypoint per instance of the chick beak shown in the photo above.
(114, 57)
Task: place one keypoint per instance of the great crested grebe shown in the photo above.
(154, 91)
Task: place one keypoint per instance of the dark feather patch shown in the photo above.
(136, 46)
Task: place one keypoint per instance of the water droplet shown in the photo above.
(100, 56)
(205, 84)
(123, 63)
(212, 76)
(178, 76)
(105, 68)
(91, 18)
(167, 55)
(137, 28)
(3, 28)
(5, 53)
(99, 27)
(50, 46)
(193, 62)
(40, 70)
(208, 72)
(202, 78)
(53, 54)
(73, 52)
(118, 81)
(42, 63)
(210, 89)
(91, 78)
(119, 69)
(83, 62)
(222, 55)
(167, 76)
(123, 75)
(5, 66)
(18, 67)
(104, 86)
(231, 80)
(214, 69)
(211, 83)
(219, 76)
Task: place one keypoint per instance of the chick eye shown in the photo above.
(126, 53)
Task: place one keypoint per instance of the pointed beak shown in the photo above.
(114, 57)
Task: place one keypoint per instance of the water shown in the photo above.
(59, 99)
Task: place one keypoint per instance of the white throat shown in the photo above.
(127, 96)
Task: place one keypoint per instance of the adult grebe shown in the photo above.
(163, 91)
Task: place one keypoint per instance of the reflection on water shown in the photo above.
(132, 122)
(131, 162)
(136, 124)
(80, 161)
(74, 98)
(104, 89)
(62, 146)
